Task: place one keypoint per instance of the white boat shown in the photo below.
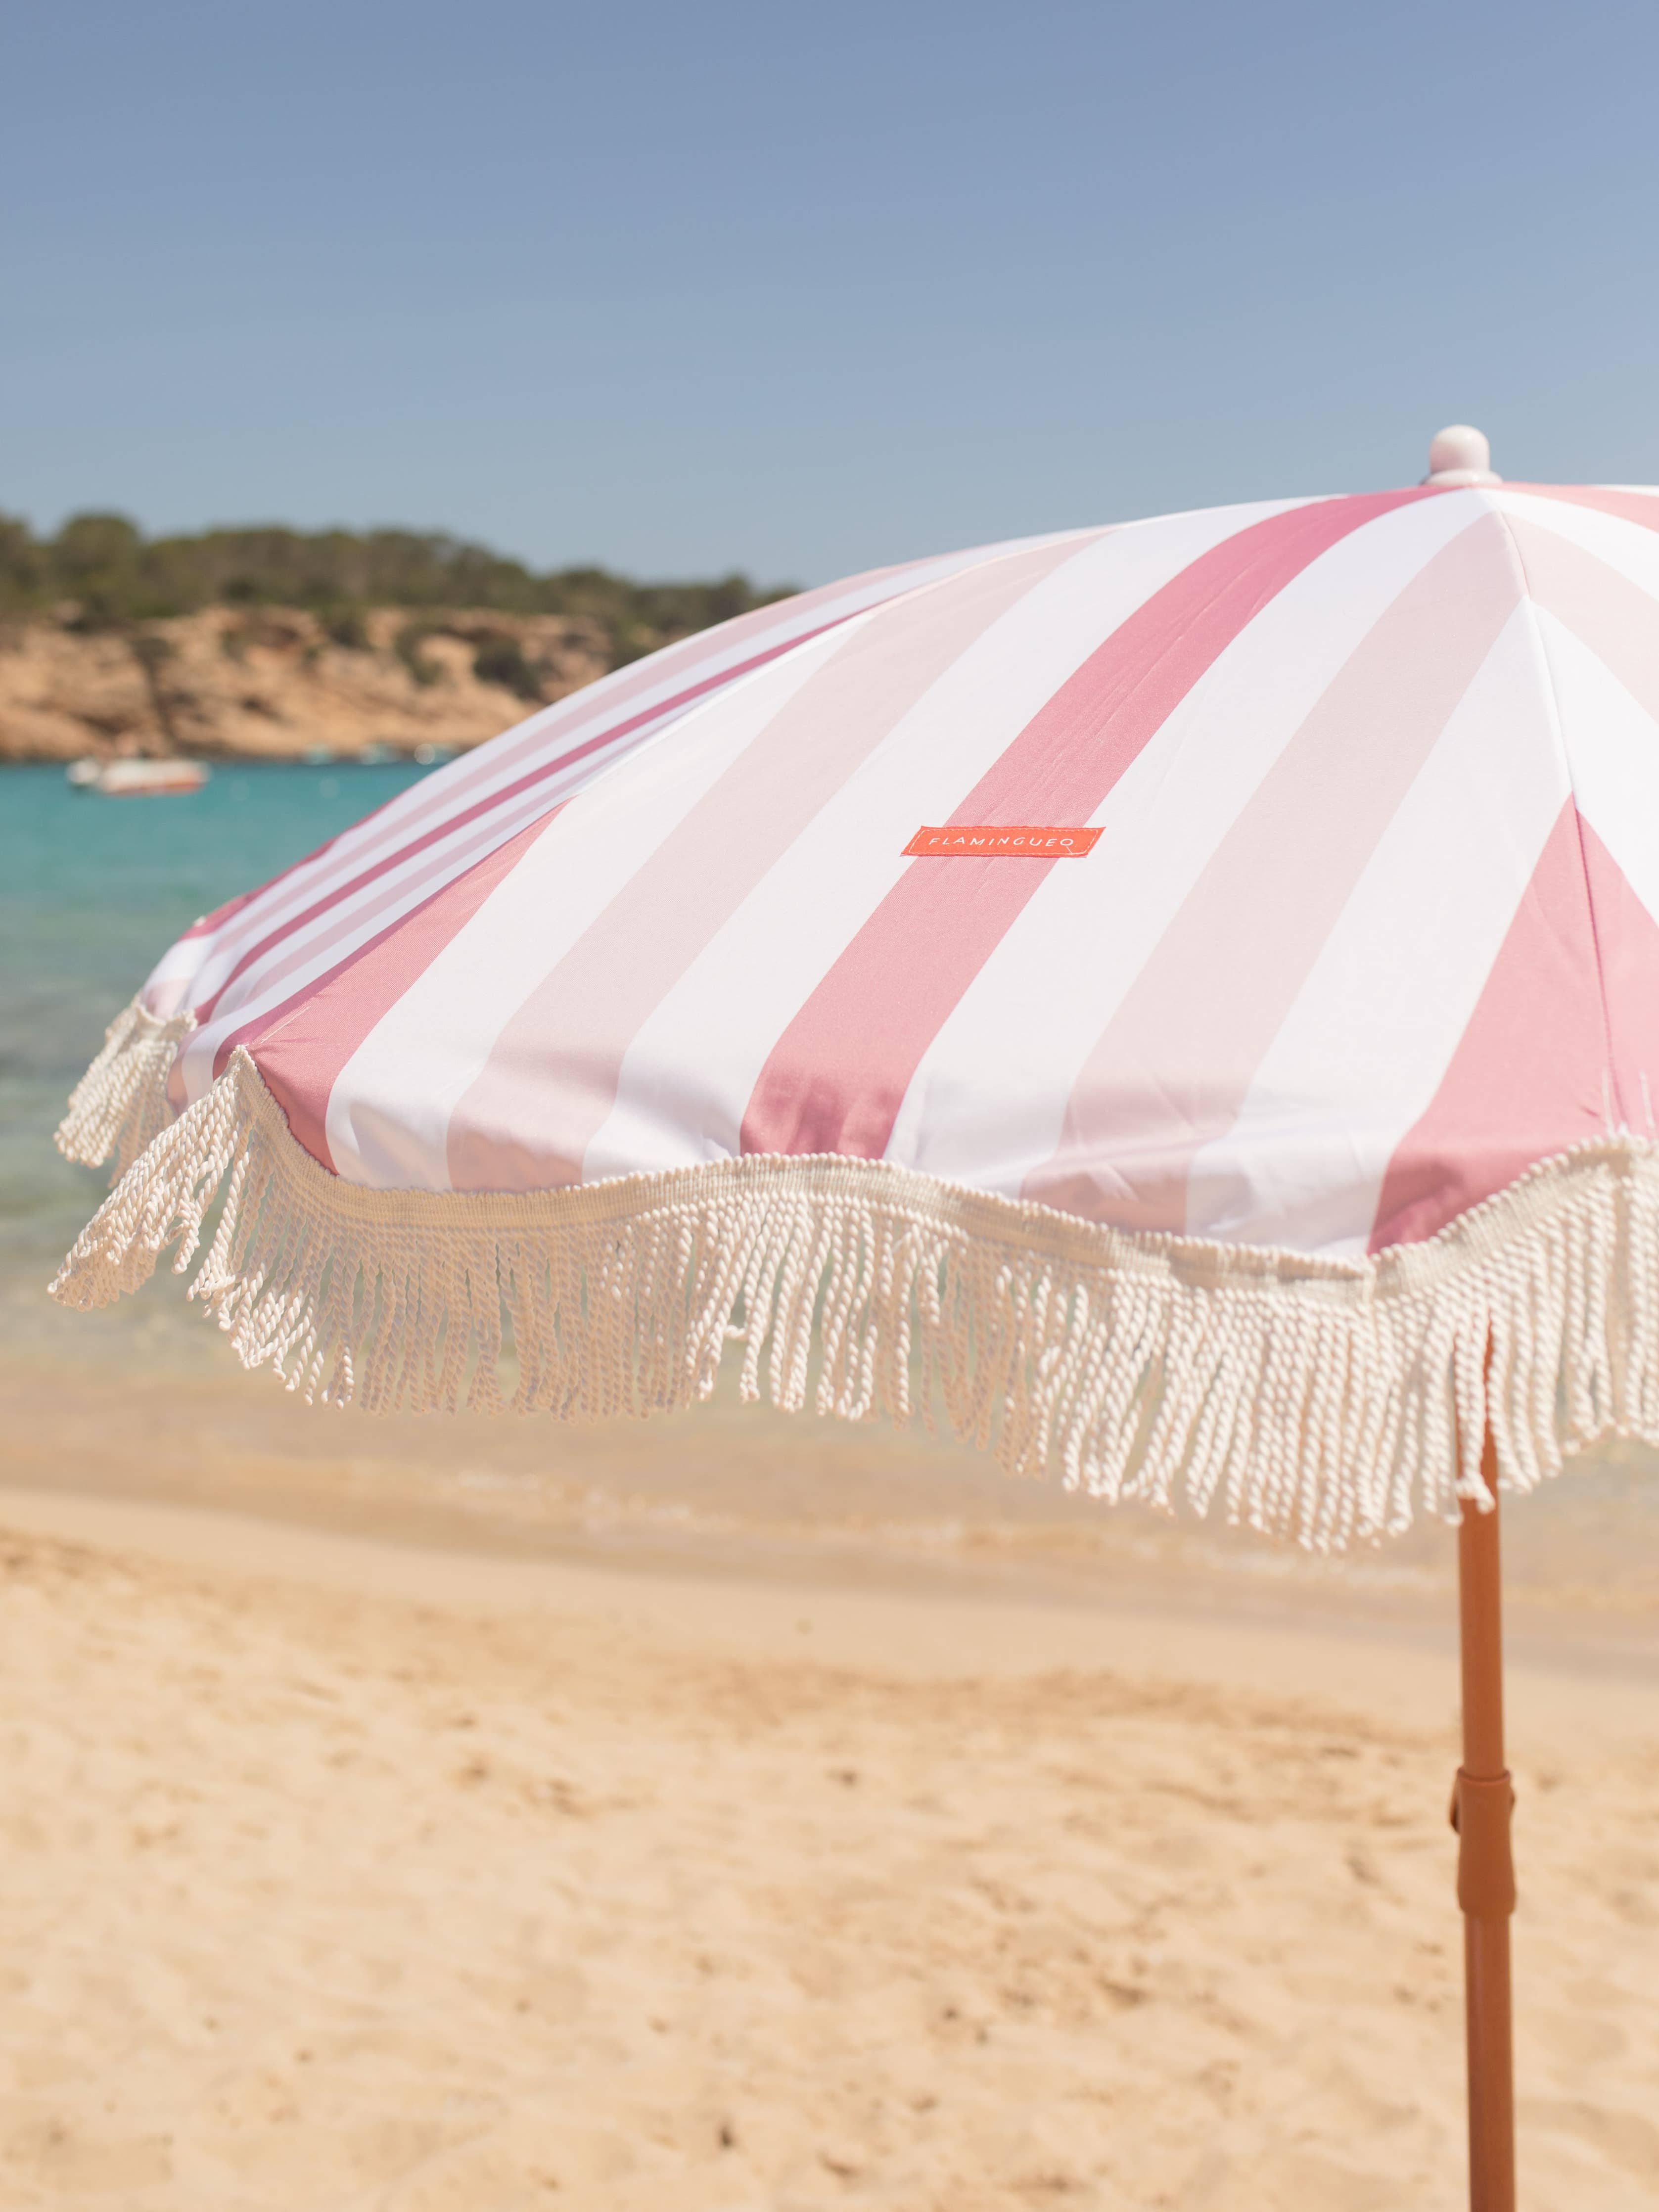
(137, 779)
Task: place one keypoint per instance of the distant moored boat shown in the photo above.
(137, 779)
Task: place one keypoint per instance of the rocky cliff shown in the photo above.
(276, 683)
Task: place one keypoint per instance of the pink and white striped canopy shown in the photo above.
(1368, 928)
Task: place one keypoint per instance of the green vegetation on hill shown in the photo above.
(111, 576)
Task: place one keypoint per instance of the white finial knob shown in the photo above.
(1460, 455)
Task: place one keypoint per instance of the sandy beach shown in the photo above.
(462, 1833)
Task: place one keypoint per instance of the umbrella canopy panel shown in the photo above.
(1220, 947)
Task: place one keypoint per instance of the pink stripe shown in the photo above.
(837, 1077)
(1580, 967)
(552, 1075)
(1173, 1067)
(300, 1047)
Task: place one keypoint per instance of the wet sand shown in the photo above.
(746, 1814)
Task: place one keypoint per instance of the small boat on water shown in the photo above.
(137, 779)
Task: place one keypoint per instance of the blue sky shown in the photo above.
(800, 290)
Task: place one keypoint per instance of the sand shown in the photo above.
(418, 1872)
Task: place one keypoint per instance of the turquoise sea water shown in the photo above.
(93, 890)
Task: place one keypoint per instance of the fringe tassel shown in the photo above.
(120, 1104)
(1308, 1398)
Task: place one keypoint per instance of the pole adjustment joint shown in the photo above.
(1481, 1807)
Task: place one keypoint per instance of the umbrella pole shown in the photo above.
(1481, 1802)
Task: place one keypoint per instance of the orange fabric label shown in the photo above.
(1004, 840)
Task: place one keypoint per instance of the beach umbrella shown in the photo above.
(1177, 1002)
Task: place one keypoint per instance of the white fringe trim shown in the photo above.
(120, 1104)
(1307, 1397)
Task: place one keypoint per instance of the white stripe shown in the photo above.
(1612, 755)
(1370, 1035)
(1629, 547)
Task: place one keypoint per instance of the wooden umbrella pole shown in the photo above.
(1481, 1804)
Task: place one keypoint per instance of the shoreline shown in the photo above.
(900, 1616)
(169, 1416)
